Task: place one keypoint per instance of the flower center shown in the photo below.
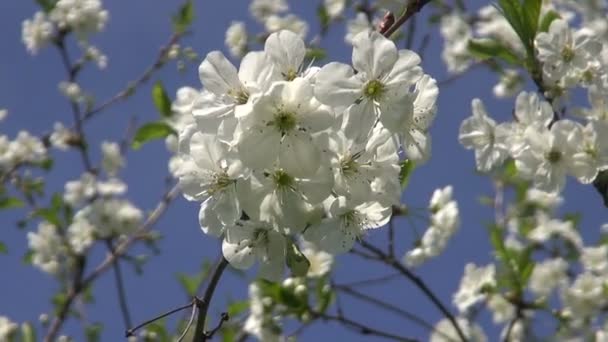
(349, 165)
(350, 218)
(240, 96)
(374, 89)
(284, 121)
(567, 54)
(290, 75)
(554, 156)
(220, 182)
(282, 179)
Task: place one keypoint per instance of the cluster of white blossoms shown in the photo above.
(100, 215)
(576, 289)
(275, 16)
(82, 17)
(569, 57)
(279, 149)
(24, 149)
(544, 150)
(444, 217)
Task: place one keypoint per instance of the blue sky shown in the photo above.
(135, 31)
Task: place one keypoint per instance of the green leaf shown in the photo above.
(315, 53)
(28, 333)
(324, 18)
(159, 328)
(407, 166)
(161, 100)
(547, 20)
(296, 260)
(189, 283)
(10, 202)
(3, 249)
(93, 332)
(237, 308)
(325, 294)
(485, 49)
(290, 300)
(27, 257)
(58, 301)
(46, 5)
(151, 131)
(531, 11)
(184, 17)
(48, 214)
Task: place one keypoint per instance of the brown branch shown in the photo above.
(130, 332)
(160, 61)
(419, 283)
(81, 283)
(360, 327)
(72, 73)
(384, 305)
(76, 287)
(120, 289)
(412, 8)
(203, 305)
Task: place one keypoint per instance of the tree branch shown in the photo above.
(419, 283)
(360, 327)
(120, 289)
(412, 8)
(81, 283)
(203, 305)
(160, 61)
(130, 332)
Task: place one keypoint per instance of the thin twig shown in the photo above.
(76, 287)
(81, 283)
(389, 307)
(414, 7)
(372, 281)
(122, 248)
(419, 283)
(72, 73)
(160, 61)
(360, 327)
(120, 288)
(199, 332)
(130, 332)
(192, 315)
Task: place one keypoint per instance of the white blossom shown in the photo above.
(7, 328)
(290, 22)
(565, 55)
(112, 159)
(36, 32)
(334, 8)
(456, 33)
(61, 136)
(82, 16)
(547, 275)
(262, 9)
(360, 23)
(246, 242)
(481, 133)
(472, 285)
(444, 331)
(47, 247)
(236, 38)
(346, 223)
(379, 91)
